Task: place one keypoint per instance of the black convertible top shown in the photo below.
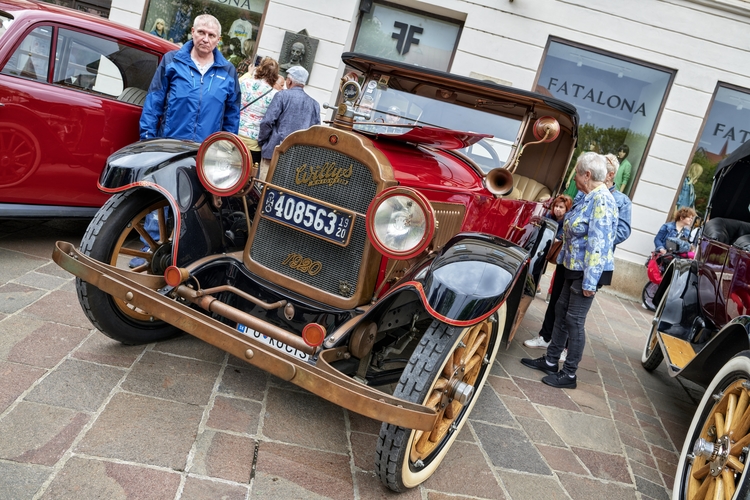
(730, 193)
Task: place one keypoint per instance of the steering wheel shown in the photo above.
(490, 163)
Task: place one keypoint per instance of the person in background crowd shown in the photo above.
(257, 94)
(160, 28)
(289, 111)
(194, 93)
(560, 206)
(624, 172)
(678, 228)
(587, 258)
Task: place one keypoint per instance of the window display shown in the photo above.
(408, 36)
(725, 129)
(618, 102)
(239, 23)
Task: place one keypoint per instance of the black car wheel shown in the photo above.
(652, 355)
(446, 372)
(113, 237)
(647, 296)
(714, 457)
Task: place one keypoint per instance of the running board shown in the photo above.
(678, 352)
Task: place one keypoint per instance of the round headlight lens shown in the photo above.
(401, 223)
(223, 165)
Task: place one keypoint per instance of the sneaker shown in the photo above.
(537, 343)
(564, 356)
(560, 380)
(138, 261)
(540, 364)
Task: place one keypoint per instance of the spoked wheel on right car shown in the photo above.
(713, 463)
(446, 372)
(652, 355)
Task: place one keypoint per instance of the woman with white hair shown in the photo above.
(587, 258)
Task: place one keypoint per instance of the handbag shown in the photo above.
(554, 250)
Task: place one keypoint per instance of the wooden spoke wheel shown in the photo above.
(446, 372)
(116, 236)
(713, 460)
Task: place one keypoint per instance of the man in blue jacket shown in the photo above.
(194, 93)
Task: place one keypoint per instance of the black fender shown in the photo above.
(681, 316)
(732, 339)
(168, 166)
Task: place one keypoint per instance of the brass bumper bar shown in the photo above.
(321, 379)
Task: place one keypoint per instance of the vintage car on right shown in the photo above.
(702, 329)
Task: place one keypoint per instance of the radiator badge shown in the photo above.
(302, 264)
(328, 174)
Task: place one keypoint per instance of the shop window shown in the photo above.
(31, 58)
(406, 35)
(96, 7)
(726, 127)
(618, 101)
(240, 20)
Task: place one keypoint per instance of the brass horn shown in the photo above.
(499, 181)
(545, 129)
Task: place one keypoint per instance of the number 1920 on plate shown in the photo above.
(309, 216)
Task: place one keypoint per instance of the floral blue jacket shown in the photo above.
(589, 231)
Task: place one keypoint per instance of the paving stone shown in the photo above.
(285, 471)
(581, 488)
(53, 269)
(590, 399)
(542, 394)
(169, 377)
(42, 281)
(38, 434)
(639, 456)
(369, 487)
(244, 381)
(528, 487)
(490, 408)
(540, 432)
(505, 386)
(36, 343)
(521, 407)
(86, 479)
(206, 489)
(652, 490)
(19, 481)
(16, 264)
(16, 379)
(646, 472)
(106, 351)
(510, 449)
(237, 415)
(78, 385)
(452, 475)
(604, 465)
(586, 430)
(148, 430)
(191, 347)
(14, 297)
(360, 423)
(223, 455)
(363, 450)
(561, 459)
(304, 419)
(58, 307)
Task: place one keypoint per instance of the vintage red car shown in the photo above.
(71, 90)
(389, 249)
(702, 329)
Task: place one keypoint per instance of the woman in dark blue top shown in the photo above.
(679, 228)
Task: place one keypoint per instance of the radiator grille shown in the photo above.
(273, 242)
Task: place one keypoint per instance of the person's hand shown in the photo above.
(589, 293)
(662, 251)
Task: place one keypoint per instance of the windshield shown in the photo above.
(395, 105)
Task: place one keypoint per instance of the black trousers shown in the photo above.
(549, 316)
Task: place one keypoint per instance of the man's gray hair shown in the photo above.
(207, 20)
(594, 163)
(612, 163)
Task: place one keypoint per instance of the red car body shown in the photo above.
(55, 137)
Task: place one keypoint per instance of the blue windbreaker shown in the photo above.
(182, 104)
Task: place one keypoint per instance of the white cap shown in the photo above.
(298, 74)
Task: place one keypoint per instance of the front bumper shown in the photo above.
(321, 379)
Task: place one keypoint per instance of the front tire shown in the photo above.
(447, 362)
(722, 420)
(113, 238)
(652, 354)
(647, 296)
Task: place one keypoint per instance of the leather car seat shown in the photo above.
(133, 95)
(528, 189)
(727, 231)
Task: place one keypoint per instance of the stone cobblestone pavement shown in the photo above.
(84, 417)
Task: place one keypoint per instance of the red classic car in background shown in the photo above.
(381, 265)
(71, 90)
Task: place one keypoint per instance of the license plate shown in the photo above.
(276, 344)
(308, 216)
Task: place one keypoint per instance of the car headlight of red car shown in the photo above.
(223, 164)
(400, 223)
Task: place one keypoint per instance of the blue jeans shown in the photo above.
(570, 318)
